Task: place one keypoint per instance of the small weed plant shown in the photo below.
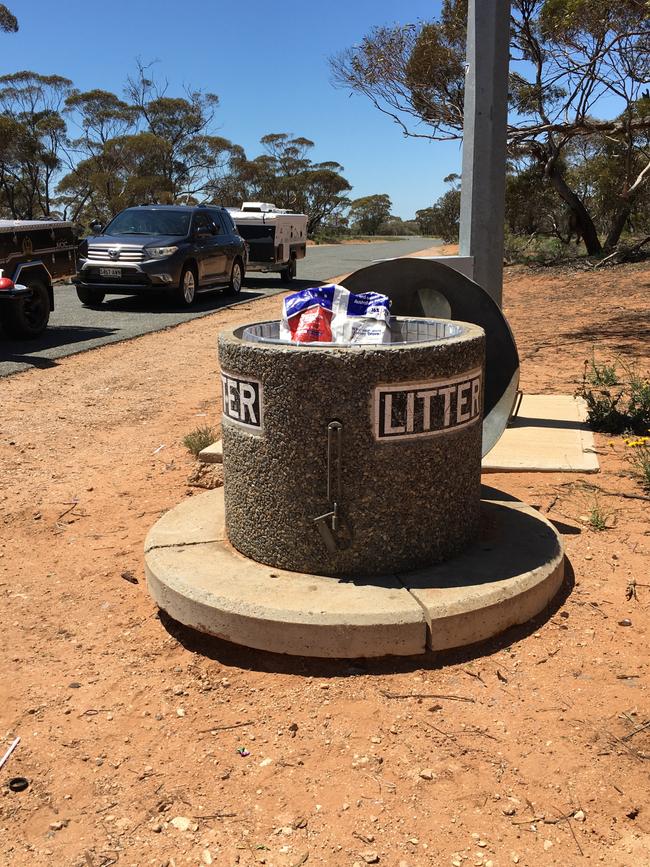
(616, 401)
(603, 375)
(199, 439)
(598, 518)
(639, 457)
(639, 403)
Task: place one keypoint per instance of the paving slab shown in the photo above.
(549, 434)
(212, 454)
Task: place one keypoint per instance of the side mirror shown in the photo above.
(97, 227)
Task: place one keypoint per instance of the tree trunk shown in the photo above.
(617, 226)
(584, 221)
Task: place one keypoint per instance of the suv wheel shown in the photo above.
(287, 274)
(90, 297)
(28, 317)
(236, 278)
(186, 293)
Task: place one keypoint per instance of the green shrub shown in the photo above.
(199, 439)
(538, 250)
(615, 403)
(639, 405)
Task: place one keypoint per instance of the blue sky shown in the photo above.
(267, 61)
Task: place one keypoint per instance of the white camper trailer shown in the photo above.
(276, 238)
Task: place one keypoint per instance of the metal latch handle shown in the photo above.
(328, 523)
(334, 450)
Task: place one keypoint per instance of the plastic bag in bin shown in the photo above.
(332, 314)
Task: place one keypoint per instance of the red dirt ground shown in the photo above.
(130, 724)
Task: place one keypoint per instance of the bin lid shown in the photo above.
(420, 287)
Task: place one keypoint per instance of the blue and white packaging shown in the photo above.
(332, 314)
(366, 319)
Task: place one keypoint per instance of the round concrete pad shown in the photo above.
(508, 577)
(203, 582)
(196, 576)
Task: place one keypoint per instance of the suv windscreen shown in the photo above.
(136, 221)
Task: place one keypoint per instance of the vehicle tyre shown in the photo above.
(187, 286)
(90, 297)
(287, 274)
(28, 317)
(236, 278)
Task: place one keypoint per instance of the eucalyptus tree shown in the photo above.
(572, 61)
(190, 156)
(369, 212)
(8, 21)
(285, 174)
(33, 141)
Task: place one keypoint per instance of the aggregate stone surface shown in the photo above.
(276, 482)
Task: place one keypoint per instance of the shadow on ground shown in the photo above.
(629, 325)
(160, 302)
(21, 351)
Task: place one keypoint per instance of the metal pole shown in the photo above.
(484, 141)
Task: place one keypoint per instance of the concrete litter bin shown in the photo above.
(351, 522)
(353, 461)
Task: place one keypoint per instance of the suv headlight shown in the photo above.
(159, 252)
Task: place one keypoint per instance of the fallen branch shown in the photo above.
(225, 728)
(624, 252)
(217, 816)
(426, 695)
(589, 487)
(73, 506)
(528, 821)
(475, 675)
(440, 731)
(559, 819)
(638, 729)
(636, 753)
(573, 833)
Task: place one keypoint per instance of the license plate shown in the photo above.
(110, 272)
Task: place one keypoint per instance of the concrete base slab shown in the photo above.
(199, 579)
(198, 519)
(205, 583)
(508, 577)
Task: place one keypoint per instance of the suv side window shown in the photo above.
(219, 221)
(228, 220)
(202, 220)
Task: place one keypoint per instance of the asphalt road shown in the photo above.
(75, 328)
